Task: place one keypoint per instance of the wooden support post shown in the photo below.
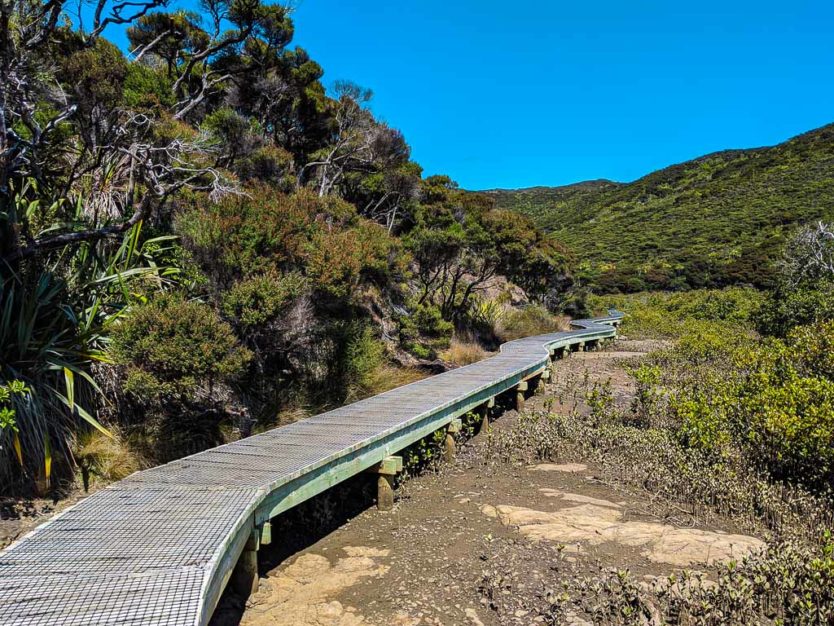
(541, 387)
(245, 575)
(386, 469)
(580, 347)
(449, 447)
(484, 412)
(519, 395)
(384, 492)
(266, 533)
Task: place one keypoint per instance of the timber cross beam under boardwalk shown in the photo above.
(159, 547)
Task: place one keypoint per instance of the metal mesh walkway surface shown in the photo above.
(158, 547)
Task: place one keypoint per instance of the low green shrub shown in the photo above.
(255, 301)
(424, 332)
(671, 314)
(360, 357)
(176, 347)
(787, 307)
(178, 359)
(771, 400)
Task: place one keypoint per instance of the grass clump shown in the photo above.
(529, 321)
(463, 352)
(105, 459)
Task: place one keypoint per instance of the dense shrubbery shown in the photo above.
(178, 357)
(205, 235)
(716, 221)
(669, 314)
(725, 391)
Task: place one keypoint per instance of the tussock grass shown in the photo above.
(104, 459)
(463, 352)
(382, 378)
(531, 320)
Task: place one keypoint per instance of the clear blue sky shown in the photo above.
(536, 92)
(523, 93)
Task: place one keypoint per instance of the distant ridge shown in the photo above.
(716, 220)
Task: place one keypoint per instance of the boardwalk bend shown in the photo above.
(159, 547)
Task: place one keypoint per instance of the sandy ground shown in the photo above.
(18, 517)
(469, 544)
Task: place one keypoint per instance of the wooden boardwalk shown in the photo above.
(159, 547)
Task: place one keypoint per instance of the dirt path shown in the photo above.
(19, 516)
(472, 545)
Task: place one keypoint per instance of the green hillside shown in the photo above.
(717, 220)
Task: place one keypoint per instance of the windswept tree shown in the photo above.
(809, 255)
(804, 290)
(349, 144)
(201, 56)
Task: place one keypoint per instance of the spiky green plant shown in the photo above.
(53, 328)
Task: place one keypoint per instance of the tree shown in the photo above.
(455, 255)
(804, 290)
(809, 255)
(201, 59)
(93, 167)
(32, 109)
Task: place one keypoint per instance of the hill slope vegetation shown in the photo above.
(717, 220)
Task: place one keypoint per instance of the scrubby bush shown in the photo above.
(337, 261)
(243, 236)
(259, 299)
(729, 392)
(267, 233)
(424, 332)
(360, 356)
(672, 314)
(783, 404)
(788, 307)
(176, 347)
(178, 358)
(785, 584)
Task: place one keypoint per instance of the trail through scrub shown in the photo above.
(485, 541)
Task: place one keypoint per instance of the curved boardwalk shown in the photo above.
(159, 547)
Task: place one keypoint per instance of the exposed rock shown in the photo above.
(302, 594)
(575, 497)
(571, 468)
(594, 524)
